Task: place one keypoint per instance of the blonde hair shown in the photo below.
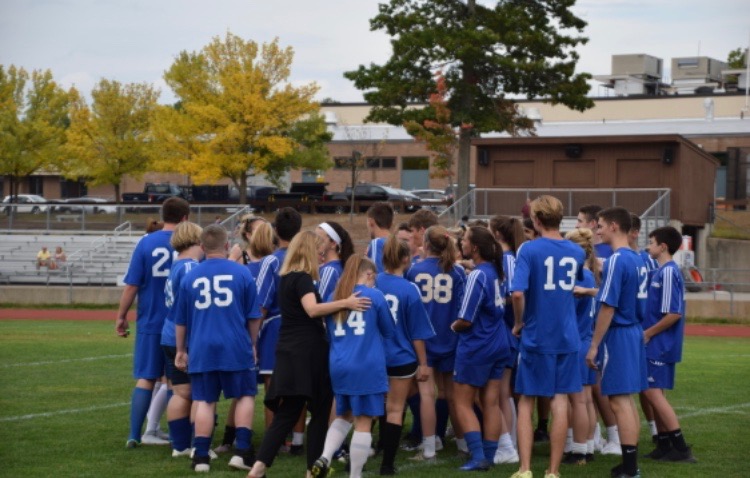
(261, 240)
(438, 242)
(548, 210)
(302, 255)
(355, 267)
(584, 237)
(394, 253)
(186, 234)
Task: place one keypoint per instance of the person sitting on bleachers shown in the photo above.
(59, 260)
(43, 258)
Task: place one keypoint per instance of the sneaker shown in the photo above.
(625, 475)
(422, 458)
(475, 465)
(505, 456)
(132, 443)
(411, 444)
(297, 450)
(201, 464)
(244, 460)
(574, 459)
(212, 454)
(522, 474)
(341, 455)
(162, 434)
(151, 438)
(320, 468)
(676, 456)
(611, 448)
(387, 470)
(223, 448)
(551, 475)
(541, 436)
(657, 453)
(177, 453)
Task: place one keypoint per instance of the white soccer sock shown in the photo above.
(514, 425)
(652, 427)
(505, 443)
(428, 446)
(336, 435)
(578, 448)
(568, 441)
(158, 406)
(461, 445)
(590, 447)
(298, 438)
(359, 450)
(612, 435)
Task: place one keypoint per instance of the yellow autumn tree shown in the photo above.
(236, 113)
(112, 138)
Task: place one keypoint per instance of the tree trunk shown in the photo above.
(465, 131)
(118, 199)
(243, 189)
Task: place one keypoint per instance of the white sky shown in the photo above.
(82, 41)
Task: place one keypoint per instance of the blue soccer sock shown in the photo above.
(442, 414)
(202, 444)
(416, 423)
(140, 401)
(489, 447)
(180, 431)
(474, 443)
(244, 438)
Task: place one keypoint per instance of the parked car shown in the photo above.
(32, 203)
(156, 193)
(433, 199)
(370, 192)
(450, 191)
(89, 205)
(253, 192)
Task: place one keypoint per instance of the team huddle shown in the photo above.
(475, 326)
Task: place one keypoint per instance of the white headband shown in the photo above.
(331, 232)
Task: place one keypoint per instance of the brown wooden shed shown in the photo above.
(604, 162)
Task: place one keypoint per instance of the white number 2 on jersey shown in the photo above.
(160, 267)
(355, 321)
(570, 266)
(222, 296)
(439, 288)
(643, 287)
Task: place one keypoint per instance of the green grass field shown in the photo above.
(65, 390)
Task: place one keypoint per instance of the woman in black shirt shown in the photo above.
(301, 373)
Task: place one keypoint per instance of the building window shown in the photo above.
(72, 189)
(378, 162)
(342, 162)
(415, 163)
(309, 176)
(36, 185)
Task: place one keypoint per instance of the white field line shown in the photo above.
(55, 362)
(19, 418)
(716, 410)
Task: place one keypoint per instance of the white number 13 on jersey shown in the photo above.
(355, 321)
(570, 268)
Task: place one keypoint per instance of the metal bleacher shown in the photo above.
(91, 260)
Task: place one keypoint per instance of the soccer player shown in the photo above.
(663, 334)
(334, 249)
(587, 218)
(357, 365)
(418, 224)
(406, 356)
(379, 223)
(544, 306)
(441, 284)
(186, 241)
(635, 231)
(146, 277)
(618, 329)
(217, 322)
(483, 353)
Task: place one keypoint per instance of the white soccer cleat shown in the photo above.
(186, 452)
(151, 438)
(611, 448)
(162, 434)
(505, 456)
(438, 444)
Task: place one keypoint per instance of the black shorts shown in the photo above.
(176, 376)
(403, 371)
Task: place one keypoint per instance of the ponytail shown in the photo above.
(355, 266)
(488, 248)
(509, 230)
(439, 243)
(346, 248)
(394, 253)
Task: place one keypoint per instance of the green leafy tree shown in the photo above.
(737, 58)
(111, 139)
(33, 118)
(238, 114)
(518, 47)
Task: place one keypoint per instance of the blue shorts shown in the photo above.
(372, 405)
(267, 338)
(479, 375)
(546, 375)
(175, 375)
(442, 363)
(624, 361)
(148, 358)
(660, 374)
(588, 375)
(207, 386)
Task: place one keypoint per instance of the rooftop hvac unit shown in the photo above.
(639, 65)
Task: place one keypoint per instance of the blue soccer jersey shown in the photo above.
(603, 251)
(149, 270)
(171, 293)
(509, 268)
(650, 262)
(357, 354)
(666, 295)
(546, 271)
(217, 299)
(330, 272)
(375, 252)
(487, 338)
(409, 316)
(267, 282)
(586, 308)
(442, 294)
(625, 287)
(254, 267)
